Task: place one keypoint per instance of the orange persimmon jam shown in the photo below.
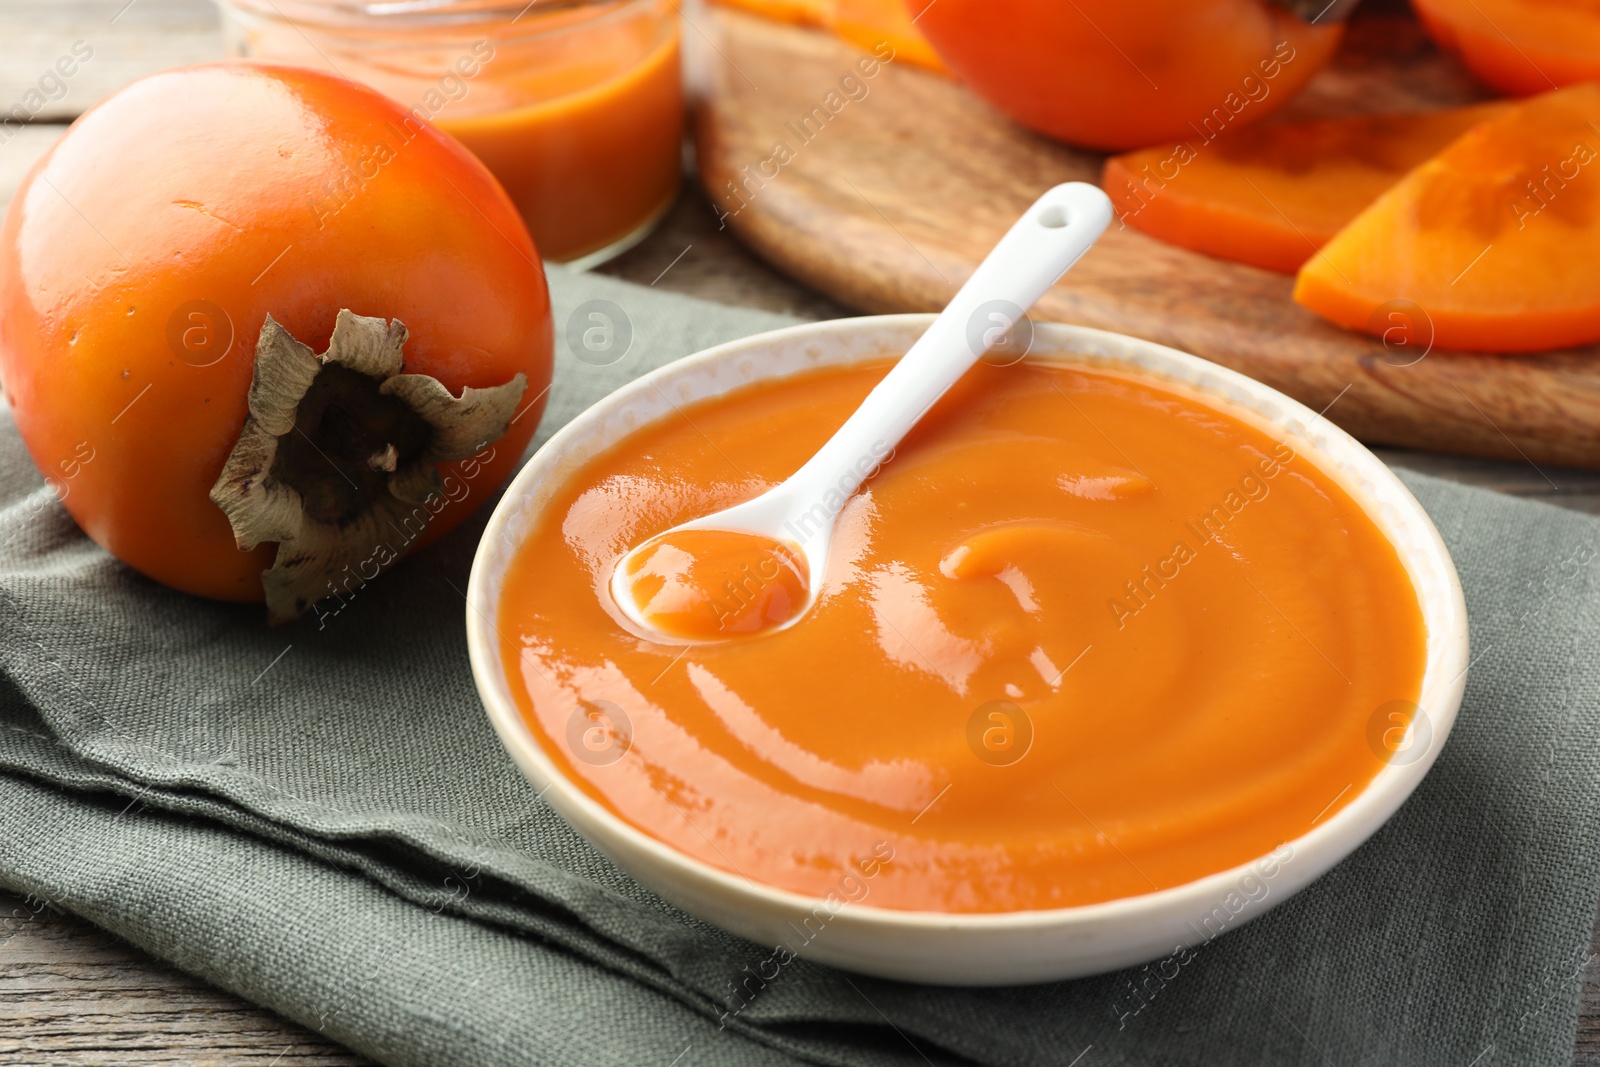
(576, 107)
(1080, 637)
(705, 585)
(588, 143)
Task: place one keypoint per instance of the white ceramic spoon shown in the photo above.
(800, 511)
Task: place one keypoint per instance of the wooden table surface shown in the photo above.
(71, 994)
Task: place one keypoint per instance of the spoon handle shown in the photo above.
(1042, 246)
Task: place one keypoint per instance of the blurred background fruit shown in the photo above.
(1496, 237)
(1115, 74)
(1272, 195)
(1519, 46)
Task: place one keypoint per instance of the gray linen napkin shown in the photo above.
(321, 820)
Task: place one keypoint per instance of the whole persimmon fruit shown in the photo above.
(265, 332)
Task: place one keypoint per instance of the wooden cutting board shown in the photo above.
(890, 204)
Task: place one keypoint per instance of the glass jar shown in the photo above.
(575, 105)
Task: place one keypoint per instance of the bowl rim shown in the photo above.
(1340, 834)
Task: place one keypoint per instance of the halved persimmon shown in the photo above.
(1519, 46)
(1494, 239)
(1115, 74)
(1271, 195)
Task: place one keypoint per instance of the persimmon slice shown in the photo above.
(867, 24)
(1494, 239)
(1270, 196)
(798, 12)
(1519, 46)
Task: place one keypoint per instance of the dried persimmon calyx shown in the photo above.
(338, 459)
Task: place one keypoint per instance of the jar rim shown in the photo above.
(420, 14)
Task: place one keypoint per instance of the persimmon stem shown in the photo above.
(385, 460)
(341, 448)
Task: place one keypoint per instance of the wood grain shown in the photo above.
(124, 39)
(892, 202)
(18, 155)
(73, 995)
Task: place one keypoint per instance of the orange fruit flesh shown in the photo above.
(867, 24)
(1494, 238)
(1271, 195)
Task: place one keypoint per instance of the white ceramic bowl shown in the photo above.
(968, 949)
